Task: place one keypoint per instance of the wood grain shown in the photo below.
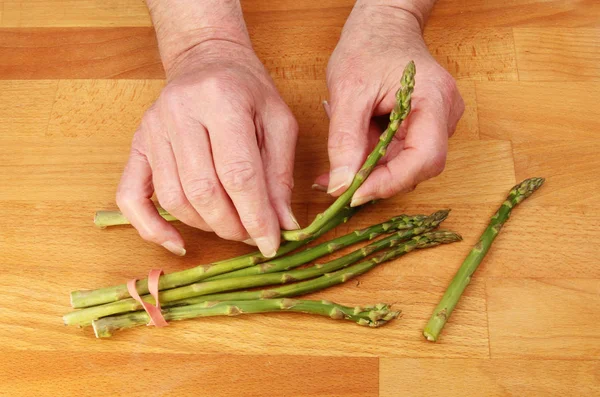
(495, 377)
(474, 53)
(550, 318)
(571, 167)
(189, 374)
(75, 80)
(516, 13)
(34, 53)
(73, 13)
(527, 111)
(558, 54)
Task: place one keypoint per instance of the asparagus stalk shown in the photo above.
(87, 298)
(104, 219)
(401, 222)
(86, 316)
(444, 309)
(341, 276)
(426, 240)
(371, 316)
(398, 114)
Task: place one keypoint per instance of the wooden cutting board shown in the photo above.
(76, 77)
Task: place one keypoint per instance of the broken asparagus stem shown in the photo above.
(398, 114)
(86, 316)
(444, 309)
(371, 316)
(104, 219)
(87, 298)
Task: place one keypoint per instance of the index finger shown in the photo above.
(240, 169)
(133, 199)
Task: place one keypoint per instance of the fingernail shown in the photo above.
(339, 178)
(327, 108)
(318, 187)
(293, 218)
(174, 248)
(267, 246)
(249, 242)
(356, 201)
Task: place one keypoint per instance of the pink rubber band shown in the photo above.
(156, 317)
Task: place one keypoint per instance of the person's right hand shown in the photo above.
(217, 148)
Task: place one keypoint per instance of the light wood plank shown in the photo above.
(26, 107)
(468, 126)
(101, 108)
(571, 168)
(476, 172)
(59, 53)
(521, 250)
(72, 13)
(447, 13)
(190, 374)
(544, 318)
(474, 53)
(558, 54)
(506, 13)
(424, 377)
(37, 320)
(530, 111)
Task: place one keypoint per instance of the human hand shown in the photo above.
(217, 148)
(362, 76)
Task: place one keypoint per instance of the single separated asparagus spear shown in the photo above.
(86, 316)
(399, 113)
(444, 309)
(426, 240)
(371, 316)
(401, 222)
(87, 298)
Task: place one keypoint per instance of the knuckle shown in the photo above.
(446, 86)
(255, 223)
(219, 86)
(387, 191)
(436, 164)
(342, 141)
(173, 202)
(123, 199)
(200, 191)
(237, 176)
(148, 235)
(232, 234)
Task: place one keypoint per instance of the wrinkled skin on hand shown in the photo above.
(362, 76)
(217, 149)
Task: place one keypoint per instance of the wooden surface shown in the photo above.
(75, 79)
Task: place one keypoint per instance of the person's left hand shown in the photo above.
(362, 76)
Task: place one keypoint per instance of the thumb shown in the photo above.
(348, 140)
(423, 157)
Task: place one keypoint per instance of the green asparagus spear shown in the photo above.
(104, 219)
(86, 316)
(87, 298)
(399, 113)
(444, 309)
(402, 222)
(372, 316)
(426, 240)
(341, 276)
